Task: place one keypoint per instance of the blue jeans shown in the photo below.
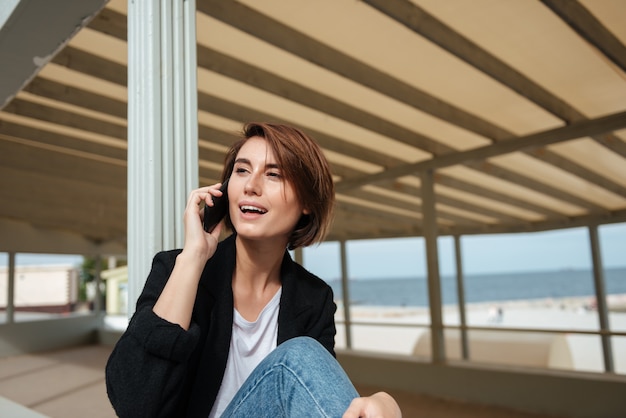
(298, 379)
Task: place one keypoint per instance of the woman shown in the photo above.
(238, 328)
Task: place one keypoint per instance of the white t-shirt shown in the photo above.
(250, 343)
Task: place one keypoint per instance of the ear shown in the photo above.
(305, 211)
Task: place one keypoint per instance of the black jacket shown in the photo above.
(157, 369)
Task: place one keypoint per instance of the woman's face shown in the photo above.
(263, 205)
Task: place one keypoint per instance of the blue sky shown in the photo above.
(541, 251)
(405, 257)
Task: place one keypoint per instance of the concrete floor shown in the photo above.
(69, 383)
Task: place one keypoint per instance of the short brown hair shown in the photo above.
(305, 167)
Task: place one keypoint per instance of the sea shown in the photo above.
(480, 288)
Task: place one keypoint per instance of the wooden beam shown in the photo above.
(60, 203)
(231, 110)
(21, 236)
(234, 111)
(387, 216)
(478, 190)
(231, 67)
(56, 164)
(616, 216)
(590, 29)
(417, 208)
(421, 22)
(67, 94)
(538, 186)
(246, 73)
(348, 173)
(209, 155)
(216, 136)
(58, 116)
(114, 24)
(94, 65)
(551, 136)
(568, 165)
(110, 22)
(249, 74)
(284, 37)
(64, 143)
(358, 224)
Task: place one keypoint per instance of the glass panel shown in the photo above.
(530, 349)
(538, 281)
(586, 351)
(324, 260)
(387, 339)
(340, 337)
(619, 354)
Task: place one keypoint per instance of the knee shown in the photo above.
(302, 344)
(303, 349)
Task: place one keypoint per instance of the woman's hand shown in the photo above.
(379, 405)
(175, 304)
(198, 242)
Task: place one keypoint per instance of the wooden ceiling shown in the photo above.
(518, 106)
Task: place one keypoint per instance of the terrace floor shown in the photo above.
(69, 383)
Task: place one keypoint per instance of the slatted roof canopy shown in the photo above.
(518, 106)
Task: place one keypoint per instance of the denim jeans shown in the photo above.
(298, 379)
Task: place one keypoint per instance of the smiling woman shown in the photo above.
(237, 328)
(297, 160)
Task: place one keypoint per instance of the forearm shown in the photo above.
(175, 304)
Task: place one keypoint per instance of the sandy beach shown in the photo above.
(410, 335)
(405, 331)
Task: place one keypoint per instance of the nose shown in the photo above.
(253, 184)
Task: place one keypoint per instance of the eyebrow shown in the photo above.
(247, 161)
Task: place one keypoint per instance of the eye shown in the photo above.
(274, 174)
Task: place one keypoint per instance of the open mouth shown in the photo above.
(252, 209)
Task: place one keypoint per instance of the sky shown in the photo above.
(481, 254)
(405, 257)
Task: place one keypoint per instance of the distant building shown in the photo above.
(52, 289)
(116, 290)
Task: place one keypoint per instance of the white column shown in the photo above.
(429, 227)
(162, 129)
(97, 303)
(460, 285)
(11, 289)
(603, 316)
(345, 291)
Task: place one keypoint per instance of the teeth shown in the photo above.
(246, 209)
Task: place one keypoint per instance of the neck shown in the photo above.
(258, 264)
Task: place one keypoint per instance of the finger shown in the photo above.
(196, 196)
(355, 409)
(217, 230)
(211, 192)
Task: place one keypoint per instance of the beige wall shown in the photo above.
(41, 286)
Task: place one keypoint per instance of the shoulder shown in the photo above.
(300, 283)
(307, 278)
(166, 257)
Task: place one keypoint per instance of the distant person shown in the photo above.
(236, 328)
(495, 314)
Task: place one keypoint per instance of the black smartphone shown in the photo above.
(214, 214)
